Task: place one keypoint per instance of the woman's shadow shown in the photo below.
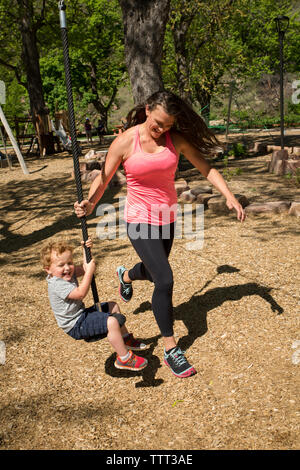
(193, 313)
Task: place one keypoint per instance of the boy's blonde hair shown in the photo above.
(58, 247)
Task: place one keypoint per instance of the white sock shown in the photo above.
(125, 358)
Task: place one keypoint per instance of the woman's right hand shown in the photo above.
(83, 208)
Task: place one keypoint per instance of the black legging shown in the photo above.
(153, 247)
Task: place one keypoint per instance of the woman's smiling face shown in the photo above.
(158, 121)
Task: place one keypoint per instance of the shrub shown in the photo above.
(238, 150)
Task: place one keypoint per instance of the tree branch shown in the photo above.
(16, 72)
(115, 89)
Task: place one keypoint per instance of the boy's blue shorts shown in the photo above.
(92, 324)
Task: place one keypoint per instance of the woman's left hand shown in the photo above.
(233, 203)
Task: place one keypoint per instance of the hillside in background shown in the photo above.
(254, 102)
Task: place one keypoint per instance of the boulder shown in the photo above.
(296, 151)
(82, 172)
(88, 175)
(279, 167)
(295, 209)
(204, 198)
(86, 168)
(84, 176)
(276, 148)
(277, 163)
(201, 190)
(275, 207)
(90, 165)
(218, 204)
(283, 163)
(90, 155)
(96, 155)
(118, 179)
(93, 165)
(82, 167)
(259, 147)
(91, 175)
(291, 166)
(101, 156)
(187, 196)
(243, 200)
(181, 186)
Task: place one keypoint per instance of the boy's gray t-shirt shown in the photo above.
(66, 311)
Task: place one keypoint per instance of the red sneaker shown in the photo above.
(133, 343)
(133, 363)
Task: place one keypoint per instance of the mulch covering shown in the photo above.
(236, 309)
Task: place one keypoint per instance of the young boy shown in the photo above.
(66, 299)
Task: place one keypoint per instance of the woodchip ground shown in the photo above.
(236, 311)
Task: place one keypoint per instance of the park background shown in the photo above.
(198, 49)
(236, 301)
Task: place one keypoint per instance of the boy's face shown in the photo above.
(61, 265)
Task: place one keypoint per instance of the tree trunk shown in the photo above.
(30, 58)
(144, 29)
(180, 28)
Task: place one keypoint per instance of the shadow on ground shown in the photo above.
(26, 203)
(196, 323)
(147, 375)
(193, 314)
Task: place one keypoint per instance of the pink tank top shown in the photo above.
(151, 195)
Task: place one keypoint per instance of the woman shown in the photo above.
(158, 132)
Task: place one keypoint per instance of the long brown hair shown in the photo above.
(187, 121)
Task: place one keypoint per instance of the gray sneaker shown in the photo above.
(178, 364)
(125, 288)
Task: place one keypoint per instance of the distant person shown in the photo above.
(101, 131)
(88, 130)
(66, 296)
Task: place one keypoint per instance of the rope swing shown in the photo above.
(74, 143)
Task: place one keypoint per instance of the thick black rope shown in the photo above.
(75, 146)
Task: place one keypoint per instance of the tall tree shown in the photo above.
(98, 38)
(194, 40)
(144, 29)
(96, 57)
(207, 40)
(29, 17)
